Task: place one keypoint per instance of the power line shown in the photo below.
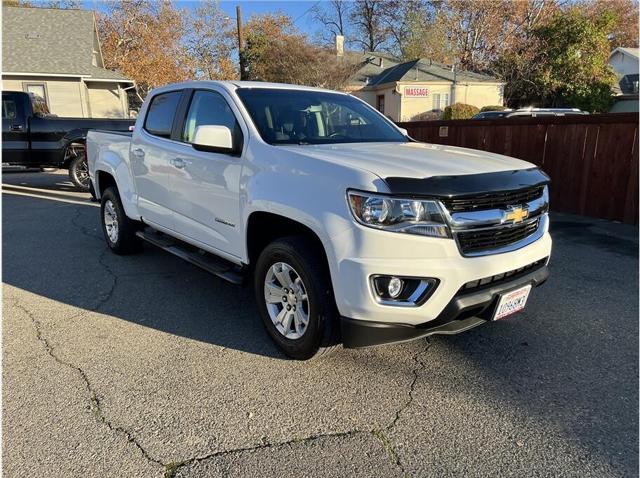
(305, 12)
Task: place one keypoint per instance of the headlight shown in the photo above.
(412, 216)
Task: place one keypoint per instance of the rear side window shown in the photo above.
(160, 114)
(8, 109)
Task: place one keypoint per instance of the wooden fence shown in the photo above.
(592, 160)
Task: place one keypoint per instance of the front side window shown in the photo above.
(208, 108)
(285, 116)
(160, 114)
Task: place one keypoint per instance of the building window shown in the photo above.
(440, 101)
(38, 89)
(380, 103)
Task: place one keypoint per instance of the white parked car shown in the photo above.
(351, 231)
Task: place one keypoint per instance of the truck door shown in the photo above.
(206, 204)
(151, 151)
(15, 132)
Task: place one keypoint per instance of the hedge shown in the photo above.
(492, 108)
(459, 111)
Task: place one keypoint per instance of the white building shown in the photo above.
(420, 89)
(624, 61)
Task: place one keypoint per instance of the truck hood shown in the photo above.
(411, 160)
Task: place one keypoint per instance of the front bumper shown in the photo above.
(465, 311)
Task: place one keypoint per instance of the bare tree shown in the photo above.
(415, 29)
(64, 4)
(367, 19)
(334, 16)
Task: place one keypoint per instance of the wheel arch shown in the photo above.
(105, 175)
(76, 136)
(264, 227)
(66, 161)
(104, 180)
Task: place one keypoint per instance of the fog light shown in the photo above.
(395, 287)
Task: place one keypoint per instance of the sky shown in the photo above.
(300, 11)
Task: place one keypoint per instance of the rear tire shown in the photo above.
(119, 230)
(78, 167)
(297, 261)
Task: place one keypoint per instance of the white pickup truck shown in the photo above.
(352, 232)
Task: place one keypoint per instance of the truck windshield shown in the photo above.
(314, 117)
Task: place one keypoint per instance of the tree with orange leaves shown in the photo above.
(143, 40)
(210, 39)
(277, 51)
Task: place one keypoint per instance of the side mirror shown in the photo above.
(213, 138)
(404, 131)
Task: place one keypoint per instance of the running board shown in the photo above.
(215, 265)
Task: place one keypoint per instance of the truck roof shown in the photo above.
(233, 85)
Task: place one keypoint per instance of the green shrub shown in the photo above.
(459, 111)
(492, 108)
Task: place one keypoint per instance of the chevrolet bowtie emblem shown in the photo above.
(516, 214)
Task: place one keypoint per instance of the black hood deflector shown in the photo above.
(467, 184)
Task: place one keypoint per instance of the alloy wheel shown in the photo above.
(111, 221)
(287, 301)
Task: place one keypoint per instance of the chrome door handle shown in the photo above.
(138, 153)
(178, 163)
(16, 127)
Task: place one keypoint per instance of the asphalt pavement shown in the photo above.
(147, 366)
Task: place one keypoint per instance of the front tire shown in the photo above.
(119, 231)
(295, 298)
(78, 167)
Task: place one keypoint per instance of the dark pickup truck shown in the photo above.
(32, 137)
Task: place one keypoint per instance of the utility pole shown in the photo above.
(243, 72)
(455, 84)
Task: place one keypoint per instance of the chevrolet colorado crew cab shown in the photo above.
(33, 137)
(351, 231)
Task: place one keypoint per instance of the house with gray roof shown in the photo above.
(56, 54)
(624, 62)
(420, 89)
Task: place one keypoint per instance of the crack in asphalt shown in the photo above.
(420, 365)
(84, 230)
(109, 294)
(380, 433)
(96, 404)
(171, 468)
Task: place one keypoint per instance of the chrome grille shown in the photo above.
(496, 200)
(486, 240)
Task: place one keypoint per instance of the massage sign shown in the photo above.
(416, 92)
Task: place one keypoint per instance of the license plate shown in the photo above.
(512, 302)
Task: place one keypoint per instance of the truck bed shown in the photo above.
(107, 143)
